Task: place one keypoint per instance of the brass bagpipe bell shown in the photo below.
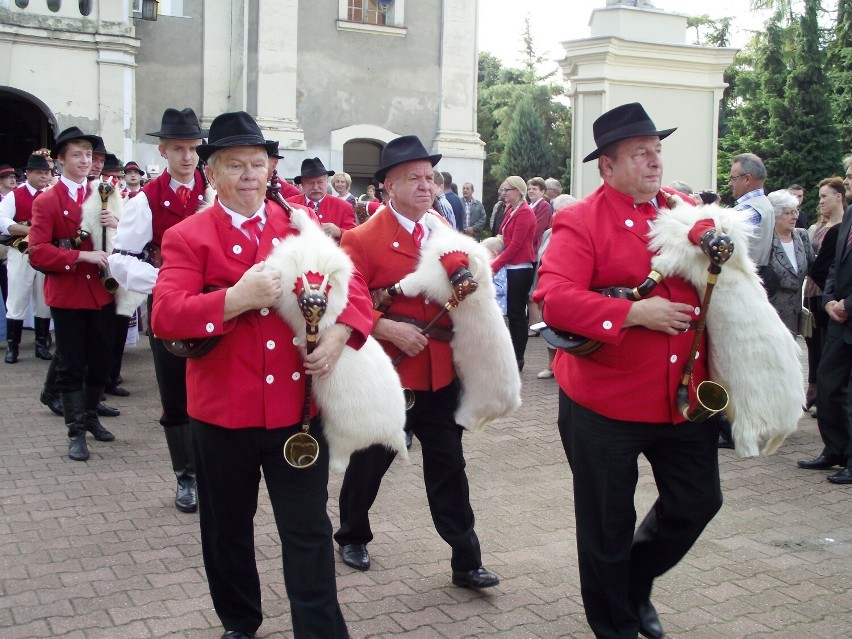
(301, 450)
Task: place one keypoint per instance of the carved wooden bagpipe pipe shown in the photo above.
(709, 397)
(107, 280)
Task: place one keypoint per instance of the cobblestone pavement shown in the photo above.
(96, 549)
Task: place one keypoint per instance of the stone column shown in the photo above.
(641, 55)
(277, 55)
(224, 57)
(457, 138)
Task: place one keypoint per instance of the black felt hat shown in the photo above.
(180, 125)
(5, 170)
(274, 152)
(407, 148)
(622, 122)
(73, 133)
(112, 163)
(37, 161)
(234, 129)
(311, 167)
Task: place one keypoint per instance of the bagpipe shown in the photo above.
(753, 358)
(107, 199)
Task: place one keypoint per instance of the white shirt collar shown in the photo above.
(174, 184)
(73, 186)
(407, 224)
(237, 219)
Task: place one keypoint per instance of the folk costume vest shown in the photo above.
(166, 207)
(24, 204)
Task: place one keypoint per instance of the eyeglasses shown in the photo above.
(502, 190)
(736, 177)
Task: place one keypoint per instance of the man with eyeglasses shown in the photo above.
(747, 177)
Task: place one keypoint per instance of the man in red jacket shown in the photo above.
(335, 215)
(25, 283)
(83, 310)
(384, 250)
(619, 402)
(173, 196)
(245, 397)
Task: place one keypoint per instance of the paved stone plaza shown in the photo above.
(96, 549)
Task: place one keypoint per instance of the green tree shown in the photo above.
(527, 152)
(840, 74)
(499, 94)
(805, 131)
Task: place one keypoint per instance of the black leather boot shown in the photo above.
(179, 440)
(49, 395)
(73, 405)
(42, 338)
(13, 339)
(93, 424)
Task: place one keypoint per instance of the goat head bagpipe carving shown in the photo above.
(752, 353)
(361, 399)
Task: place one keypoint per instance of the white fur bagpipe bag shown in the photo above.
(482, 348)
(752, 354)
(126, 302)
(361, 399)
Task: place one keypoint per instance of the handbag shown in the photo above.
(806, 322)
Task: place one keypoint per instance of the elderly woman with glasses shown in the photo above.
(790, 258)
(518, 256)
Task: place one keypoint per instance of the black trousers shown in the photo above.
(171, 380)
(618, 566)
(432, 422)
(229, 465)
(518, 283)
(122, 325)
(85, 339)
(833, 418)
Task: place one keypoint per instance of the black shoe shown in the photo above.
(186, 495)
(117, 391)
(724, 442)
(823, 462)
(77, 449)
(476, 578)
(53, 402)
(96, 428)
(356, 556)
(649, 622)
(107, 411)
(842, 477)
(11, 354)
(236, 634)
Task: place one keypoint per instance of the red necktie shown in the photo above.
(252, 227)
(80, 192)
(417, 234)
(183, 194)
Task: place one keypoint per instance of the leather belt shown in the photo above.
(436, 332)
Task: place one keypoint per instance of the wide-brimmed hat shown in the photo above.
(622, 122)
(37, 161)
(132, 166)
(407, 148)
(112, 163)
(311, 167)
(234, 129)
(274, 152)
(5, 170)
(73, 133)
(179, 125)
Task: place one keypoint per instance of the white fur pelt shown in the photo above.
(752, 354)
(361, 399)
(126, 302)
(482, 348)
